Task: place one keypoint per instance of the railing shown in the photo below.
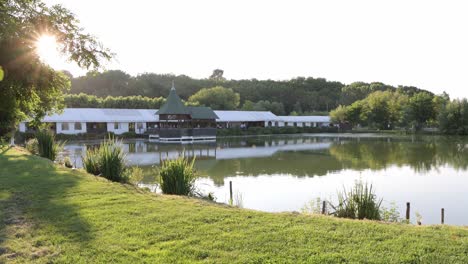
(184, 132)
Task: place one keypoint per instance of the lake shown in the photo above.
(283, 173)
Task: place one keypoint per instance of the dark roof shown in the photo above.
(202, 112)
(173, 105)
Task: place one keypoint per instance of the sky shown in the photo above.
(411, 42)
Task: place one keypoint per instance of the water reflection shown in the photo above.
(279, 173)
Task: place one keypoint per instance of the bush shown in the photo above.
(32, 146)
(358, 203)
(47, 147)
(177, 176)
(91, 161)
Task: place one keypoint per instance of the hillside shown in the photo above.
(53, 214)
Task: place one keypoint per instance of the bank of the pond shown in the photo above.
(54, 214)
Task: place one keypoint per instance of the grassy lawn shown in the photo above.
(54, 214)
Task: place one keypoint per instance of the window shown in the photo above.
(77, 126)
(65, 126)
(295, 124)
(116, 125)
(285, 123)
(140, 125)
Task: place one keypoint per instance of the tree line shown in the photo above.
(299, 95)
(396, 109)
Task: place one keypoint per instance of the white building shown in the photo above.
(139, 121)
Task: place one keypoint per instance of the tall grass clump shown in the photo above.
(91, 161)
(178, 176)
(358, 203)
(112, 161)
(108, 161)
(46, 144)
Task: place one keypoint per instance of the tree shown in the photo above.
(30, 88)
(217, 75)
(421, 109)
(338, 115)
(218, 98)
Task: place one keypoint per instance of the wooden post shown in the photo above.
(442, 216)
(408, 211)
(324, 207)
(230, 191)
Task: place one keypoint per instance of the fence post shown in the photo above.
(408, 211)
(324, 207)
(230, 191)
(442, 216)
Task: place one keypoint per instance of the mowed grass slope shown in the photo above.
(54, 214)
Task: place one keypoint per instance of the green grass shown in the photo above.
(55, 214)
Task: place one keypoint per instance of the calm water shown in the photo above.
(281, 173)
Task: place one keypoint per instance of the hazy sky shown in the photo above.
(420, 43)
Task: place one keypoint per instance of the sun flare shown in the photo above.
(46, 47)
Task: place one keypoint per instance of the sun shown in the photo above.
(47, 49)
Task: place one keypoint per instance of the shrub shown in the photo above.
(32, 146)
(358, 203)
(47, 147)
(177, 176)
(135, 175)
(91, 161)
(112, 161)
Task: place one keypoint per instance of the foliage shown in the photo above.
(89, 216)
(30, 88)
(358, 203)
(91, 161)
(135, 175)
(112, 161)
(177, 176)
(313, 206)
(46, 145)
(453, 117)
(339, 115)
(391, 109)
(218, 98)
(391, 214)
(264, 105)
(131, 102)
(32, 146)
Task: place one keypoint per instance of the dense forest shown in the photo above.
(297, 96)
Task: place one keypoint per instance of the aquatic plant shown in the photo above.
(108, 161)
(358, 203)
(91, 161)
(47, 147)
(112, 161)
(177, 176)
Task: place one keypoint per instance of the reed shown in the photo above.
(91, 161)
(358, 203)
(178, 176)
(108, 161)
(46, 144)
(112, 161)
